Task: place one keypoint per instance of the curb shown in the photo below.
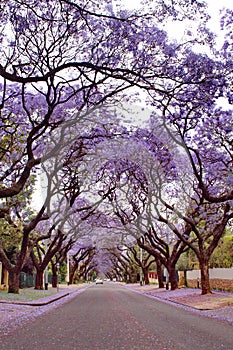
(174, 302)
(34, 303)
(168, 300)
(43, 303)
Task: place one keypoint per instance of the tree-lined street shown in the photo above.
(108, 316)
(116, 153)
(113, 135)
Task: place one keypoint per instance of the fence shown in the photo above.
(26, 280)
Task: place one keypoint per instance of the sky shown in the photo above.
(214, 7)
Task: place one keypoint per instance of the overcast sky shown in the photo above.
(214, 7)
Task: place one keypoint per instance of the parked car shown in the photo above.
(99, 281)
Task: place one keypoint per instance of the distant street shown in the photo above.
(110, 317)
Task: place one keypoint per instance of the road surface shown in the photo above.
(111, 317)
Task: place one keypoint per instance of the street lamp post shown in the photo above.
(46, 269)
(46, 278)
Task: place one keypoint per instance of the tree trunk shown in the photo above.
(205, 280)
(71, 276)
(13, 282)
(54, 280)
(54, 276)
(160, 274)
(73, 269)
(146, 275)
(173, 278)
(39, 279)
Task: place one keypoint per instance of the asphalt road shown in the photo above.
(110, 317)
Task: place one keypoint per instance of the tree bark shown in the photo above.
(160, 273)
(73, 269)
(13, 282)
(54, 276)
(54, 280)
(146, 275)
(39, 284)
(205, 280)
(172, 277)
(71, 277)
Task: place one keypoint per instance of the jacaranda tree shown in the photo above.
(60, 59)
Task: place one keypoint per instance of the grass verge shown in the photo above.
(28, 294)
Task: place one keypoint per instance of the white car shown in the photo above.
(99, 281)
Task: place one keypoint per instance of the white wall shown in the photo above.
(214, 273)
